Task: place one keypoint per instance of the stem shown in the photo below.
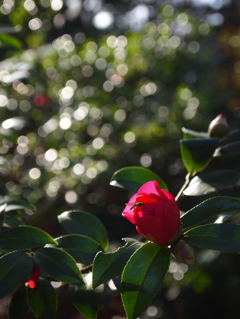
(187, 181)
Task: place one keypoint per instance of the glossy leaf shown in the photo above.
(15, 270)
(42, 300)
(223, 237)
(24, 237)
(232, 137)
(19, 306)
(197, 153)
(86, 301)
(81, 223)
(83, 249)
(15, 204)
(106, 297)
(229, 145)
(133, 177)
(2, 212)
(229, 150)
(206, 183)
(58, 264)
(217, 208)
(109, 265)
(12, 219)
(142, 277)
(189, 134)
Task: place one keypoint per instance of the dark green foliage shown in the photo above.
(81, 107)
(59, 265)
(132, 178)
(42, 300)
(82, 223)
(15, 270)
(142, 277)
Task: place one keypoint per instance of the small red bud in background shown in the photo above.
(41, 100)
(218, 127)
(183, 252)
(32, 282)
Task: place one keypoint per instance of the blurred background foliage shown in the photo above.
(88, 87)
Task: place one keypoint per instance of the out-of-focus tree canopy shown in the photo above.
(79, 102)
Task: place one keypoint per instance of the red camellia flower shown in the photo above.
(155, 213)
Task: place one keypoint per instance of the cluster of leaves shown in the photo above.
(137, 269)
(74, 107)
(25, 247)
(203, 225)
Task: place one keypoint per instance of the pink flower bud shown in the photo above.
(183, 252)
(32, 282)
(218, 127)
(155, 213)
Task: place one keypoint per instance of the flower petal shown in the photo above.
(167, 194)
(150, 188)
(171, 216)
(159, 236)
(153, 189)
(147, 223)
(142, 198)
(140, 232)
(128, 213)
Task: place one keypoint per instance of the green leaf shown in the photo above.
(197, 153)
(24, 237)
(12, 218)
(106, 297)
(10, 41)
(206, 183)
(142, 277)
(109, 265)
(15, 268)
(217, 208)
(229, 150)
(58, 264)
(15, 204)
(133, 177)
(2, 212)
(232, 137)
(19, 306)
(86, 301)
(223, 237)
(230, 145)
(83, 249)
(42, 300)
(81, 223)
(189, 134)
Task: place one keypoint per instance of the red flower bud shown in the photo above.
(41, 100)
(155, 213)
(183, 252)
(32, 282)
(218, 127)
